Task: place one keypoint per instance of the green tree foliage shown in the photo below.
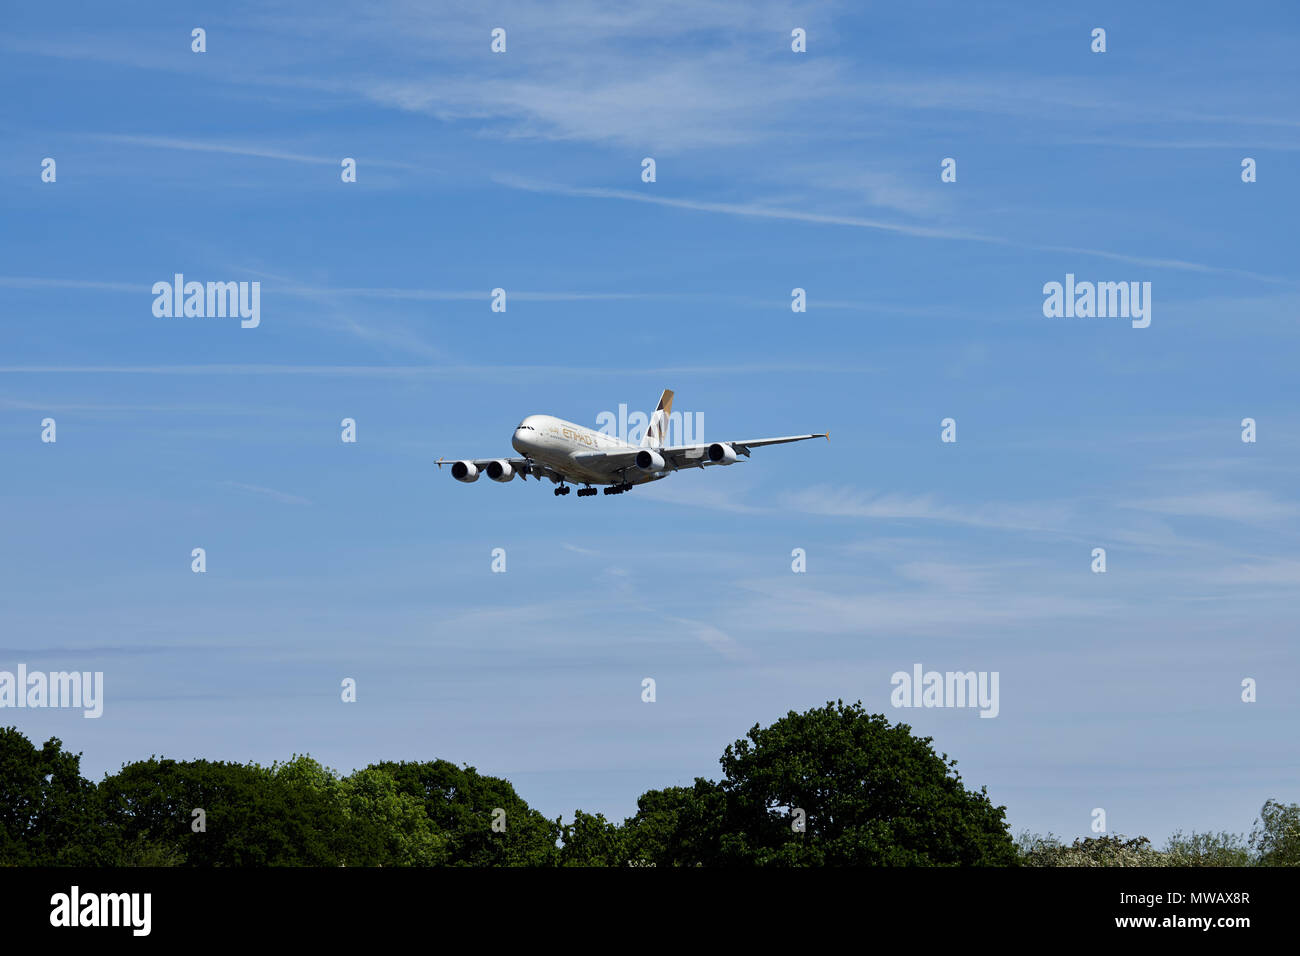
(677, 826)
(591, 840)
(1033, 849)
(47, 809)
(460, 803)
(387, 826)
(870, 793)
(254, 816)
(1207, 849)
(1109, 850)
(1194, 849)
(1276, 836)
(873, 794)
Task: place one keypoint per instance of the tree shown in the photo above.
(47, 809)
(864, 791)
(386, 825)
(462, 804)
(1276, 836)
(677, 826)
(591, 840)
(1108, 850)
(307, 783)
(253, 816)
(1207, 849)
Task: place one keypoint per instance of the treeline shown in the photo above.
(1274, 841)
(833, 786)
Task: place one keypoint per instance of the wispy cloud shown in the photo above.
(853, 503)
(752, 210)
(1272, 573)
(773, 605)
(1246, 143)
(1246, 505)
(60, 405)
(694, 489)
(279, 496)
(32, 282)
(287, 286)
(713, 637)
(239, 149)
(539, 373)
(740, 209)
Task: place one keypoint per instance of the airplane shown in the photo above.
(568, 453)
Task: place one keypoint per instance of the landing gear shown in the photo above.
(588, 491)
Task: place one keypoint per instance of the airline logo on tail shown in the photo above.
(656, 433)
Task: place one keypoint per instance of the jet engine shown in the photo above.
(465, 471)
(648, 460)
(721, 453)
(500, 470)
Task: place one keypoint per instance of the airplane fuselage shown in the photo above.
(555, 442)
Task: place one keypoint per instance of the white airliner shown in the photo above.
(564, 452)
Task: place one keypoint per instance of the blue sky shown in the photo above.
(774, 171)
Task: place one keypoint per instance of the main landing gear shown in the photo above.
(588, 491)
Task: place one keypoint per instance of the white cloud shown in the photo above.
(1236, 505)
(268, 493)
(852, 503)
(236, 149)
(775, 606)
(742, 209)
(714, 637)
(1273, 573)
(754, 210)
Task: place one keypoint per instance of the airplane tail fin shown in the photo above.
(656, 432)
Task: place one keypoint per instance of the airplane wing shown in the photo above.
(692, 456)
